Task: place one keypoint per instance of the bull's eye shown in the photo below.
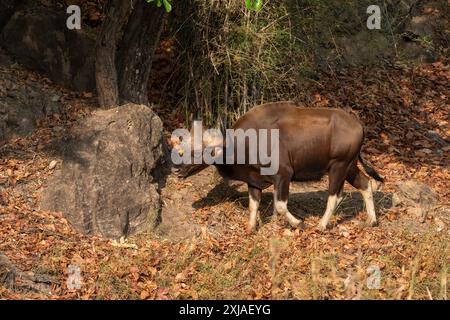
(179, 149)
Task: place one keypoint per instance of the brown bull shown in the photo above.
(312, 142)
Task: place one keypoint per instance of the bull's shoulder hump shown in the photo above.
(266, 111)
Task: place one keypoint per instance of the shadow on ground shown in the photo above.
(301, 204)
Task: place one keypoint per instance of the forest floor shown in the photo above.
(201, 249)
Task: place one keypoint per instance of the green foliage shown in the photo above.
(255, 5)
(235, 56)
(159, 3)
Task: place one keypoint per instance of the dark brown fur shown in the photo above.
(313, 142)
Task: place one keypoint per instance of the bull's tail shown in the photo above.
(370, 171)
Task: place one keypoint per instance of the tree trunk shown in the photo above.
(105, 61)
(141, 37)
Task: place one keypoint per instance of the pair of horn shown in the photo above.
(221, 123)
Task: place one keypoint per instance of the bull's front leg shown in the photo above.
(332, 203)
(281, 196)
(254, 197)
(336, 178)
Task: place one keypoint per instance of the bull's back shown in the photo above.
(296, 122)
(310, 138)
(270, 114)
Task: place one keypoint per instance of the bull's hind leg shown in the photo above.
(275, 212)
(281, 195)
(361, 182)
(254, 196)
(336, 178)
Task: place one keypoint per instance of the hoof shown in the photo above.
(295, 223)
(301, 225)
(321, 227)
(371, 223)
(260, 222)
(274, 216)
(251, 229)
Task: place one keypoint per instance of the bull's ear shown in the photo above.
(192, 118)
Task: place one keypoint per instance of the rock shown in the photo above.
(22, 106)
(357, 52)
(55, 98)
(433, 135)
(417, 212)
(421, 26)
(413, 192)
(417, 197)
(28, 281)
(39, 39)
(7, 272)
(343, 231)
(440, 225)
(113, 166)
(7, 8)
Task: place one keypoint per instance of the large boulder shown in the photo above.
(39, 39)
(111, 173)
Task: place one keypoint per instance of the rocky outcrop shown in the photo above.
(7, 272)
(108, 182)
(418, 198)
(39, 39)
(23, 102)
(14, 279)
(7, 8)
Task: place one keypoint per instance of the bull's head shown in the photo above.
(193, 151)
